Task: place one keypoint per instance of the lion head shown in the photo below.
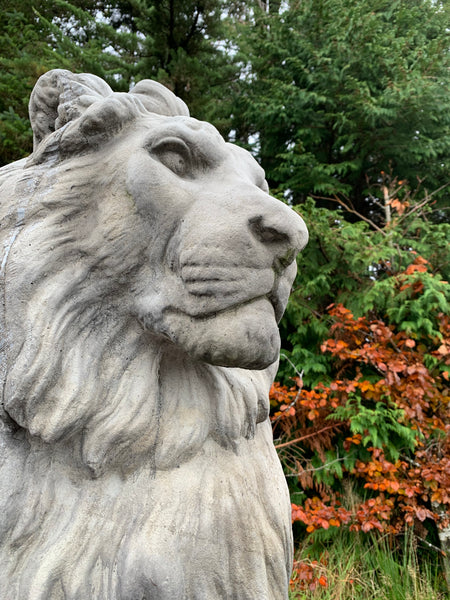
(145, 269)
(138, 231)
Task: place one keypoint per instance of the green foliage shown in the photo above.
(327, 468)
(16, 138)
(89, 43)
(333, 92)
(411, 312)
(370, 408)
(340, 90)
(361, 567)
(380, 426)
(184, 45)
(23, 56)
(364, 268)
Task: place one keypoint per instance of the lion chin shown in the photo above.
(145, 268)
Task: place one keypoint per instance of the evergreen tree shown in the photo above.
(183, 45)
(33, 40)
(24, 56)
(340, 90)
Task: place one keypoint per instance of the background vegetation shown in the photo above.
(345, 104)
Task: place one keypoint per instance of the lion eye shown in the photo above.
(174, 154)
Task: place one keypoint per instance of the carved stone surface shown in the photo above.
(144, 270)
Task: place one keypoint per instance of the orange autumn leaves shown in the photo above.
(394, 380)
(309, 575)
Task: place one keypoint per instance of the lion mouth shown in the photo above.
(221, 288)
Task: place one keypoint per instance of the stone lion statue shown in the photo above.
(144, 270)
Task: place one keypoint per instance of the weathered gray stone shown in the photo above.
(144, 270)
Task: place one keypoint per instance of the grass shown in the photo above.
(352, 566)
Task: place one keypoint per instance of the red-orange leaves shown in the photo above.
(383, 422)
(321, 513)
(308, 575)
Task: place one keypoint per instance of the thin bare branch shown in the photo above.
(351, 210)
(305, 437)
(326, 465)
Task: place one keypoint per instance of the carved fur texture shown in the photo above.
(144, 270)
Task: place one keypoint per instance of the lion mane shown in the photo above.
(137, 460)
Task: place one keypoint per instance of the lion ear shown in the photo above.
(60, 96)
(158, 99)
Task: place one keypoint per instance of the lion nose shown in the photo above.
(285, 230)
